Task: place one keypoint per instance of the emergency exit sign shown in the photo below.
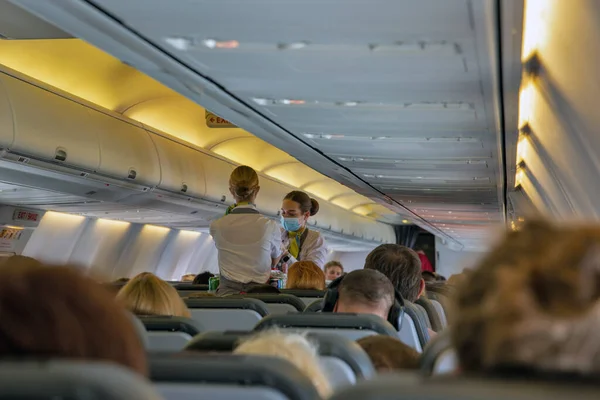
(214, 121)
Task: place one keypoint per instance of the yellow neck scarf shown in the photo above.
(295, 242)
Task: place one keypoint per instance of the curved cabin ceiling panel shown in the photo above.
(78, 68)
(189, 123)
(7, 125)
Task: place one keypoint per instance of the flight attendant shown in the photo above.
(248, 243)
(299, 242)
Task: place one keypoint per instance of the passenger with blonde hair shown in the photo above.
(533, 304)
(248, 243)
(293, 347)
(305, 275)
(333, 270)
(147, 294)
(56, 312)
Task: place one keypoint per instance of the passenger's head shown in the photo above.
(147, 294)
(333, 270)
(243, 184)
(297, 206)
(56, 312)
(305, 275)
(120, 281)
(22, 260)
(188, 277)
(292, 347)
(401, 265)
(429, 276)
(202, 279)
(533, 301)
(365, 291)
(265, 289)
(389, 354)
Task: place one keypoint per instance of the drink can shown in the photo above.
(276, 282)
(213, 283)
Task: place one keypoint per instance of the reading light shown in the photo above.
(293, 45)
(405, 221)
(179, 43)
(216, 44)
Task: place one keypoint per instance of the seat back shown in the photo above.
(190, 287)
(413, 330)
(343, 360)
(439, 357)
(440, 311)
(227, 313)
(456, 388)
(228, 377)
(432, 314)
(351, 326)
(73, 380)
(277, 303)
(308, 296)
(169, 334)
(314, 306)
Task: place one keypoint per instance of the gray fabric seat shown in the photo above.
(441, 313)
(393, 387)
(169, 334)
(413, 331)
(276, 303)
(73, 380)
(432, 314)
(344, 361)
(314, 306)
(306, 295)
(439, 357)
(227, 313)
(352, 326)
(228, 377)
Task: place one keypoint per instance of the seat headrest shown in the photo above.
(436, 346)
(229, 302)
(172, 324)
(233, 369)
(274, 299)
(304, 292)
(409, 387)
(72, 380)
(328, 321)
(328, 345)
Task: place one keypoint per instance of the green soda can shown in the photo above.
(213, 283)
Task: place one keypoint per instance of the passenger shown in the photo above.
(429, 276)
(532, 304)
(299, 242)
(333, 270)
(265, 289)
(202, 279)
(147, 294)
(401, 265)
(55, 312)
(425, 264)
(188, 277)
(365, 291)
(389, 354)
(248, 243)
(22, 260)
(305, 275)
(293, 347)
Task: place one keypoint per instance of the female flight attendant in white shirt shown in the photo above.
(299, 242)
(248, 243)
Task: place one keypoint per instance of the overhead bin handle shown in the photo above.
(184, 187)
(60, 154)
(132, 174)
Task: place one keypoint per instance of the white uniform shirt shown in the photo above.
(313, 249)
(246, 243)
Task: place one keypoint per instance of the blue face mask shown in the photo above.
(290, 224)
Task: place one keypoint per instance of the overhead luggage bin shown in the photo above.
(48, 126)
(126, 150)
(182, 167)
(217, 179)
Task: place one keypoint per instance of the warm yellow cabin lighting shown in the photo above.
(536, 25)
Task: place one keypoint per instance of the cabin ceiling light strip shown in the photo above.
(420, 161)
(338, 136)
(426, 105)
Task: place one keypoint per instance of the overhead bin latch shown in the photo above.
(60, 155)
(132, 174)
(184, 188)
